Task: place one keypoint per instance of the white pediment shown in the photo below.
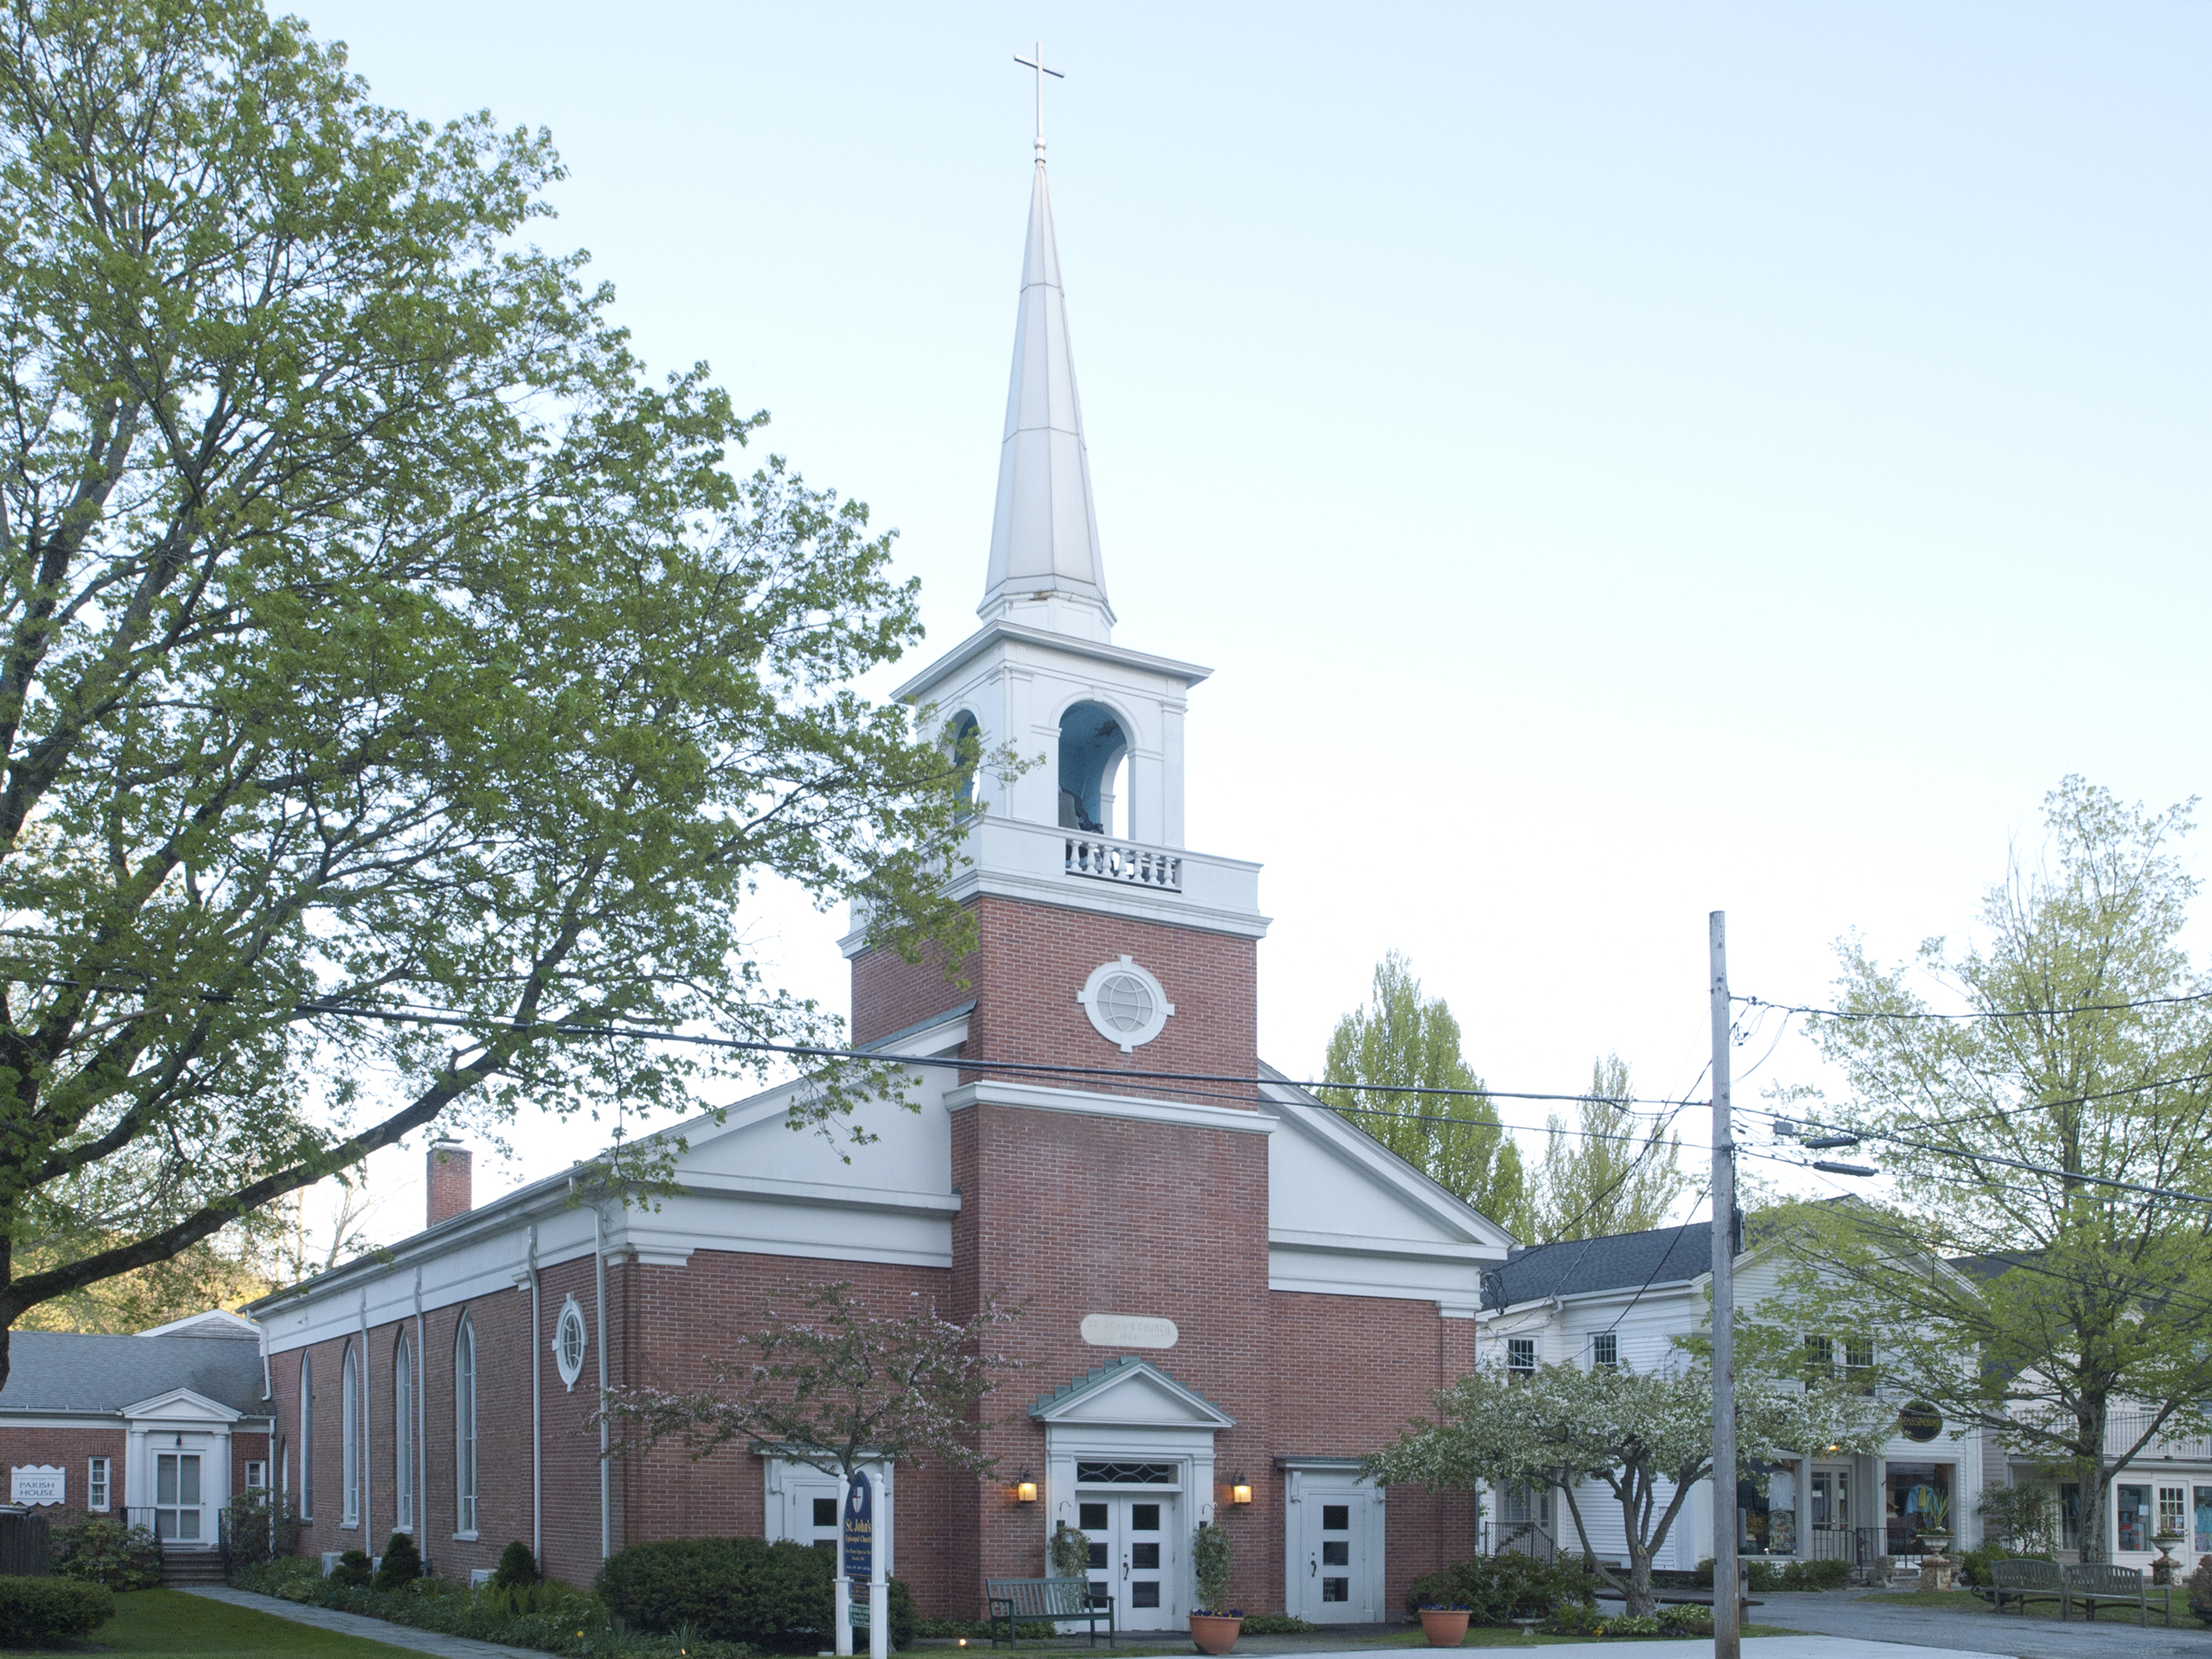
(181, 1405)
(1130, 1393)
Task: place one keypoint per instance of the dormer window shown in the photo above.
(1091, 749)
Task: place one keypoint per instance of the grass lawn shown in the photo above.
(155, 1624)
(2110, 1612)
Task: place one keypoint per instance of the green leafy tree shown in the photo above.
(1402, 1038)
(1609, 1171)
(2064, 1314)
(1646, 1435)
(375, 638)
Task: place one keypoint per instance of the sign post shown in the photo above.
(861, 1565)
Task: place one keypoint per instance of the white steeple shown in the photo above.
(1045, 568)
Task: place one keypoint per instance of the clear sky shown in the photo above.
(1621, 461)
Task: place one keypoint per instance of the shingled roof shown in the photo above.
(1576, 1267)
(64, 1370)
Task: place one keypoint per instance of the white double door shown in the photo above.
(1336, 1553)
(1136, 1556)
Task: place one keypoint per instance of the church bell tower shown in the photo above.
(1118, 1192)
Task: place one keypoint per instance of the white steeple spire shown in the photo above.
(1045, 568)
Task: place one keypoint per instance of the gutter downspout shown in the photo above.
(537, 1468)
(368, 1481)
(421, 1515)
(599, 1296)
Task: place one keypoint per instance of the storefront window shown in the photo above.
(2201, 1531)
(2070, 1516)
(2132, 1516)
(1919, 1502)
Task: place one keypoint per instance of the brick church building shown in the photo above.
(1230, 1295)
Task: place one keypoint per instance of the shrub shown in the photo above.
(261, 1525)
(38, 1612)
(1497, 1589)
(97, 1550)
(1975, 1564)
(2199, 1583)
(1211, 1550)
(1575, 1618)
(1789, 1574)
(1687, 1618)
(401, 1565)
(516, 1566)
(353, 1571)
(1631, 1624)
(776, 1596)
(1278, 1624)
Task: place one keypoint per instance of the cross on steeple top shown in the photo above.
(1037, 63)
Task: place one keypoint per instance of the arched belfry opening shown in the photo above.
(963, 736)
(1092, 747)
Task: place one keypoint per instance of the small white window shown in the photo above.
(1520, 1354)
(569, 1339)
(256, 1473)
(1605, 1351)
(96, 1485)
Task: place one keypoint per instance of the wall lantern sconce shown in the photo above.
(1240, 1488)
(1025, 1488)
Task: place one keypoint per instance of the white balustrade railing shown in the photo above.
(1118, 861)
(2124, 1426)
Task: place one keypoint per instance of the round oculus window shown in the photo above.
(1126, 1004)
(569, 1340)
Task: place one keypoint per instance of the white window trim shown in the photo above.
(99, 1477)
(307, 1438)
(571, 1312)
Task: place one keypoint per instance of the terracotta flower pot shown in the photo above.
(1445, 1626)
(1214, 1633)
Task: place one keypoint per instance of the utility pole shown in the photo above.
(1727, 1604)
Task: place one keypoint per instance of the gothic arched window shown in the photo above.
(403, 1434)
(465, 1425)
(307, 1439)
(350, 1439)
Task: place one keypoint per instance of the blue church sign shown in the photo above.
(860, 1529)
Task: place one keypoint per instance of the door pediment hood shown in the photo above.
(1129, 1394)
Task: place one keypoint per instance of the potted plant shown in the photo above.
(1215, 1626)
(1070, 1553)
(2162, 1569)
(1935, 1522)
(1446, 1626)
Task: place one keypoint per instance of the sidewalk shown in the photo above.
(359, 1625)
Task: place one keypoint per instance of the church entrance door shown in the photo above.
(1135, 1557)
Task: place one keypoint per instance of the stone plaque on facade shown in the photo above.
(1124, 1330)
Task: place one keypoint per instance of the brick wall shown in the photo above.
(1349, 1372)
(1030, 961)
(69, 1450)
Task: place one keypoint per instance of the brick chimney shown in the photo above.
(448, 1181)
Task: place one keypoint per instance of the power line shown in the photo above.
(1994, 1013)
(2013, 1163)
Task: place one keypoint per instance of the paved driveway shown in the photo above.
(1847, 1613)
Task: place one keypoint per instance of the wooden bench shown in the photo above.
(2092, 1582)
(2025, 1581)
(1014, 1602)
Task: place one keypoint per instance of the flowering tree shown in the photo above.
(836, 1386)
(1634, 1431)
